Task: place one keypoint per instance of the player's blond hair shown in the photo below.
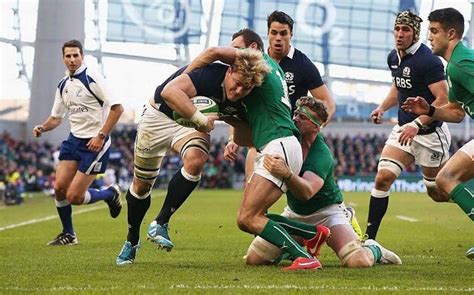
(252, 67)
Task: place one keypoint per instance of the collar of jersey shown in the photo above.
(291, 52)
(78, 71)
(412, 49)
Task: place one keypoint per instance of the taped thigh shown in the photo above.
(394, 166)
(197, 142)
(147, 169)
(349, 250)
(264, 249)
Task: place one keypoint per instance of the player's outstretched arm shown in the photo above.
(212, 54)
(451, 112)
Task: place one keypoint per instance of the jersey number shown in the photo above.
(285, 99)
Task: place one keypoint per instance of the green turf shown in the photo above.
(207, 257)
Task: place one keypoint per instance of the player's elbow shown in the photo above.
(458, 116)
(117, 108)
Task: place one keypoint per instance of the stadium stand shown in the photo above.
(29, 166)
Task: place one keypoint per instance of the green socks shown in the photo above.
(278, 236)
(376, 251)
(464, 197)
(293, 227)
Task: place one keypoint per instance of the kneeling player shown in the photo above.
(315, 198)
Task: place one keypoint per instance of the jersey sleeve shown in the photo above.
(204, 79)
(433, 70)
(320, 163)
(465, 75)
(59, 108)
(101, 89)
(311, 76)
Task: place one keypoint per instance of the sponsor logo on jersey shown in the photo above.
(406, 72)
(435, 156)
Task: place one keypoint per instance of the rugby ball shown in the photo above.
(204, 104)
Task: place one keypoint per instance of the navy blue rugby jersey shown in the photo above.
(208, 82)
(412, 75)
(301, 75)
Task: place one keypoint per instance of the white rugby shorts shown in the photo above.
(428, 150)
(289, 148)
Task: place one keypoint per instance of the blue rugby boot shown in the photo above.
(470, 253)
(158, 234)
(127, 254)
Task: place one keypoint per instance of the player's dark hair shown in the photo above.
(449, 18)
(73, 43)
(249, 37)
(280, 17)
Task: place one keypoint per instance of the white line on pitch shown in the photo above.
(50, 217)
(406, 218)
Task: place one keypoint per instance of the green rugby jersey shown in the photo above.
(268, 108)
(460, 72)
(319, 161)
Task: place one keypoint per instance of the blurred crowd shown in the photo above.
(29, 166)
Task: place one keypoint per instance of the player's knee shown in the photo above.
(437, 195)
(194, 161)
(60, 192)
(433, 191)
(387, 171)
(75, 198)
(244, 222)
(444, 181)
(359, 259)
(195, 154)
(261, 252)
(253, 258)
(353, 255)
(141, 188)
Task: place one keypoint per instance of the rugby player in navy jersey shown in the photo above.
(158, 133)
(301, 74)
(83, 95)
(419, 139)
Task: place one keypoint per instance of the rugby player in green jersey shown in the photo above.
(273, 132)
(314, 198)
(445, 34)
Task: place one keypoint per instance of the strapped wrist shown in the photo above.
(418, 123)
(199, 119)
(431, 111)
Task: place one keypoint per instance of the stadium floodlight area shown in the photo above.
(349, 33)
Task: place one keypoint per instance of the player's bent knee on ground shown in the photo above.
(354, 255)
(261, 252)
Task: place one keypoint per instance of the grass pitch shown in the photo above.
(431, 238)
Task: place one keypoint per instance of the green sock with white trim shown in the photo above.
(464, 197)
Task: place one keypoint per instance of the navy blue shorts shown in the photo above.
(75, 149)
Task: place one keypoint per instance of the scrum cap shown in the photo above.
(410, 19)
